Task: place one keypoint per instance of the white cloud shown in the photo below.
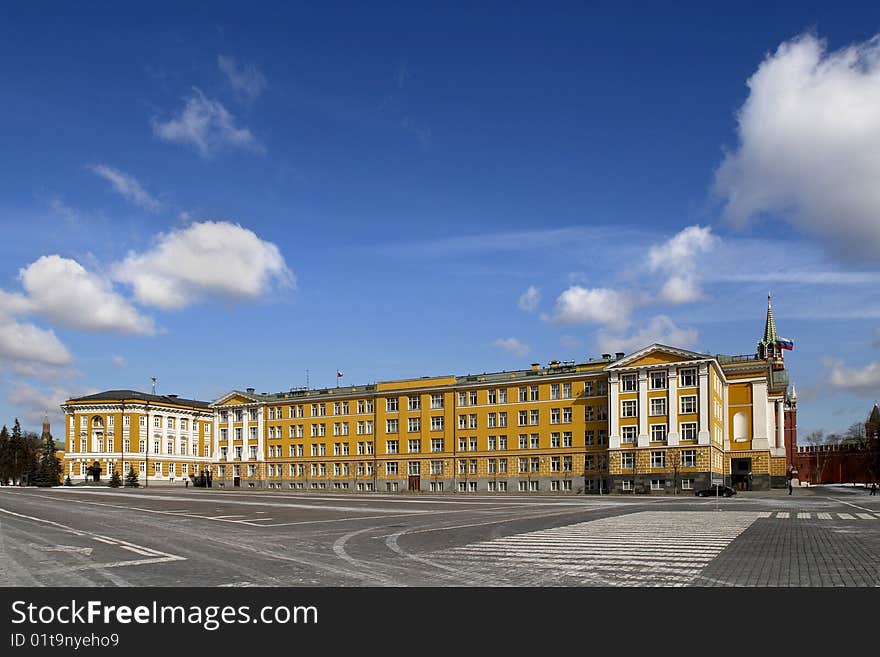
(33, 403)
(61, 290)
(860, 380)
(246, 81)
(529, 299)
(26, 344)
(809, 144)
(678, 257)
(126, 186)
(207, 125)
(205, 258)
(512, 345)
(118, 361)
(579, 305)
(660, 329)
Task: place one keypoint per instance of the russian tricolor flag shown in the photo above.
(785, 343)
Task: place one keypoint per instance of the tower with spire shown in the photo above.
(46, 432)
(768, 346)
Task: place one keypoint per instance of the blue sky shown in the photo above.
(226, 197)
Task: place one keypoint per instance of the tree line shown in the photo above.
(27, 459)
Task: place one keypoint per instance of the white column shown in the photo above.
(672, 405)
(760, 417)
(643, 408)
(260, 430)
(780, 425)
(614, 411)
(245, 415)
(705, 395)
(725, 409)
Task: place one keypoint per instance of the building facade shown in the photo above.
(658, 421)
(164, 438)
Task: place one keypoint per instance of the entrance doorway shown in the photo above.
(741, 474)
(415, 482)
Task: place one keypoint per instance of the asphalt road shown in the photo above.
(195, 537)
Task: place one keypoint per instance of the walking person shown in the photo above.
(874, 488)
(790, 488)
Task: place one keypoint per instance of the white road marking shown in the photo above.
(155, 555)
(222, 517)
(803, 516)
(639, 549)
(845, 516)
(823, 516)
(866, 516)
(782, 514)
(62, 548)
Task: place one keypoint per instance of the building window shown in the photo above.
(588, 388)
(554, 440)
(436, 401)
(523, 418)
(534, 417)
(629, 408)
(472, 398)
(472, 421)
(688, 404)
(414, 424)
(566, 391)
(658, 459)
(688, 458)
(533, 393)
(392, 446)
(390, 426)
(689, 431)
(658, 484)
(414, 446)
(472, 444)
(391, 404)
(626, 485)
(687, 484)
(589, 438)
(413, 468)
(589, 416)
(436, 444)
(658, 406)
(658, 433)
(688, 378)
(566, 438)
(628, 434)
(523, 394)
(391, 468)
(554, 416)
(436, 467)
(627, 460)
(658, 380)
(534, 441)
(629, 383)
(414, 403)
(502, 442)
(554, 464)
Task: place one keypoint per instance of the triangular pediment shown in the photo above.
(657, 354)
(234, 398)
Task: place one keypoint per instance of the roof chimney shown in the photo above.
(172, 396)
(606, 356)
(619, 355)
(536, 367)
(250, 391)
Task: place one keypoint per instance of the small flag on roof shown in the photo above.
(785, 343)
(339, 374)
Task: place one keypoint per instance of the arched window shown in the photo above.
(740, 426)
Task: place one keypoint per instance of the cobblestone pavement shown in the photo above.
(821, 537)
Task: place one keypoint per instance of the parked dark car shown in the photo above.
(716, 489)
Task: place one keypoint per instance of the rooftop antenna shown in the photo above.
(307, 379)
(153, 379)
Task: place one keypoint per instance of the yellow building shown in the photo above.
(164, 438)
(660, 420)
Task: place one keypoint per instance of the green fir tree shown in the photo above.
(131, 479)
(115, 480)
